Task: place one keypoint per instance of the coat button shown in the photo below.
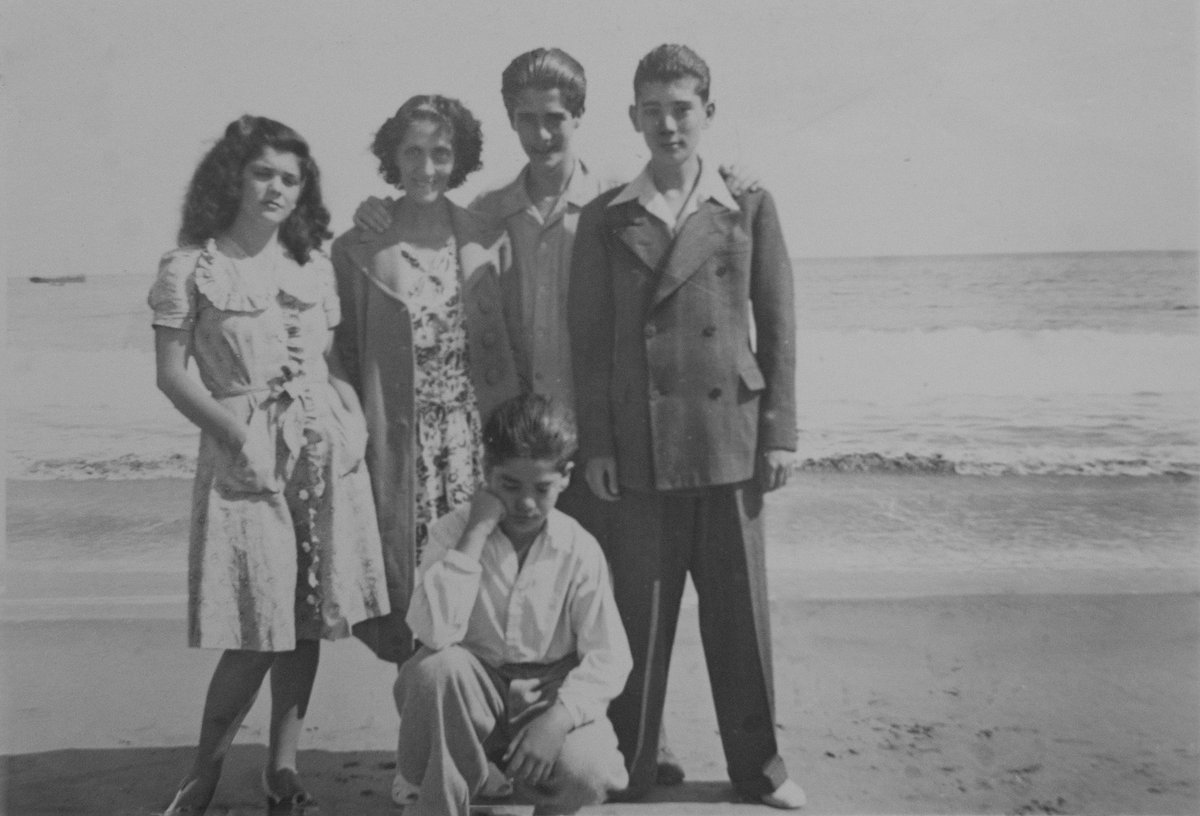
(649, 331)
(492, 376)
(709, 331)
(714, 394)
(721, 271)
(489, 339)
(485, 307)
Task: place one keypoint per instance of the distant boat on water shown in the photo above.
(58, 280)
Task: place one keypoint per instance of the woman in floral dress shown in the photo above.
(284, 550)
(423, 339)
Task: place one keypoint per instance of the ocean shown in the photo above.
(1053, 364)
(973, 424)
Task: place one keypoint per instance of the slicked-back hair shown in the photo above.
(545, 69)
(670, 62)
(530, 426)
(214, 195)
(466, 136)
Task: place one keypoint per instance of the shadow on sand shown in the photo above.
(141, 781)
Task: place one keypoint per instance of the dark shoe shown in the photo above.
(285, 795)
(667, 771)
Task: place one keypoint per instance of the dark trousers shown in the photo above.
(716, 534)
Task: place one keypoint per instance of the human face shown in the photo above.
(425, 159)
(545, 127)
(671, 117)
(528, 488)
(271, 186)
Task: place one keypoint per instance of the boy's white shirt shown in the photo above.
(559, 603)
(709, 185)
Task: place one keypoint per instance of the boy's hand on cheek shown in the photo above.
(531, 755)
(486, 512)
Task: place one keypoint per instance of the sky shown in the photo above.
(893, 127)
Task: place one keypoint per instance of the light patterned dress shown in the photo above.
(449, 461)
(302, 558)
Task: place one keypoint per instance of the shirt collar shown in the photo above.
(710, 185)
(582, 188)
(557, 532)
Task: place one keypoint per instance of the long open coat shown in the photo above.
(375, 347)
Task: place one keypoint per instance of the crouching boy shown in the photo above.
(522, 645)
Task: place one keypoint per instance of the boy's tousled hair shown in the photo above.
(669, 62)
(530, 426)
(545, 69)
(214, 196)
(466, 135)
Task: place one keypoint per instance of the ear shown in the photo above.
(566, 472)
(710, 110)
(633, 117)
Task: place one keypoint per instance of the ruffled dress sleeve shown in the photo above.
(173, 297)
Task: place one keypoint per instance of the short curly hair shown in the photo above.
(466, 136)
(214, 195)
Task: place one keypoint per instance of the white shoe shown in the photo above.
(403, 791)
(497, 785)
(788, 796)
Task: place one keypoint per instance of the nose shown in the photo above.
(526, 503)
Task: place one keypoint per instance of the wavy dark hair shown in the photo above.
(215, 192)
(466, 136)
(545, 69)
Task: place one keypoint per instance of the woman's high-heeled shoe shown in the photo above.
(285, 795)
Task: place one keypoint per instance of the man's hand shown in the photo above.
(374, 214)
(532, 753)
(776, 467)
(738, 179)
(601, 476)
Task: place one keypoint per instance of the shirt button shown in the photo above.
(649, 331)
(714, 394)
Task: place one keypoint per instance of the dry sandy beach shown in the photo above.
(956, 694)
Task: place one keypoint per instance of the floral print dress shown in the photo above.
(299, 557)
(449, 465)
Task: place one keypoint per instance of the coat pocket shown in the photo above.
(751, 377)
